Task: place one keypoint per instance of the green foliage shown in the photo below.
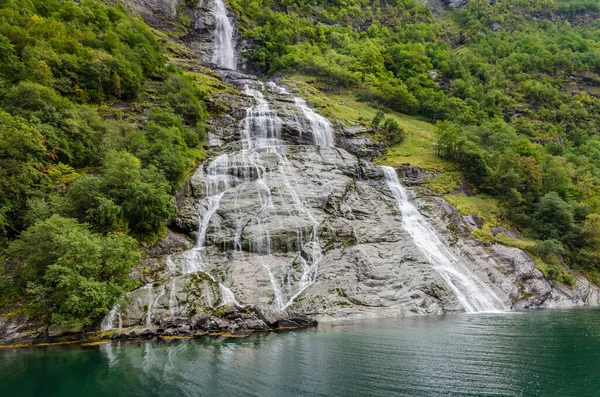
(22, 155)
(392, 131)
(185, 98)
(84, 180)
(126, 196)
(58, 266)
(553, 218)
(84, 50)
(379, 116)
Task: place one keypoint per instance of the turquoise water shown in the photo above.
(542, 353)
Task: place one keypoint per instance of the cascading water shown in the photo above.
(223, 52)
(232, 174)
(152, 300)
(109, 320)
(261, 127)
(472, 293)
(319, 126)
(237, 173)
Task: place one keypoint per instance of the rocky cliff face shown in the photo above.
(510, 269)
(193, 25)
(288, 221)
(298, 229)
(305, 230)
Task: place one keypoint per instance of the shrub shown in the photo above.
(69, 274)
(392, 131)
(553, 217)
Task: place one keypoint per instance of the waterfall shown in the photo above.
(470, 291)
(319, 126)
(277, 88)
(152, 301)
(213, 205)
(223, 52)
(108, 321)
(261, 127)
(227, 296)
(194, 262)
(236, 176)
(260, 133)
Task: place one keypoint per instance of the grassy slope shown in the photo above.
(418, 147)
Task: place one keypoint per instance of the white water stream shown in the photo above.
(261, 139)
(319, 126)
(475, 295)
(109, 320)
(223, 51)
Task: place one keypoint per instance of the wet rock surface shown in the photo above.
(298, 228)
(288, 222)
(257, 246)
(509, 270)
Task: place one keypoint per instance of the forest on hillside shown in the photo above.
(84, 179)
(513, 87)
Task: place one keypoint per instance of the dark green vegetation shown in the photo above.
(96, 134)
(514, 88)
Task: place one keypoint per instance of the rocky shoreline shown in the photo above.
(232, 322)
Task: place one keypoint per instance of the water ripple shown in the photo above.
(545, 353)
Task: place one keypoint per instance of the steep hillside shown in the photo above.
(96, 135)
(511, 86)
(487, 111)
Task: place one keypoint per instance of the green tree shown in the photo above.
(68, 274)
(553, 218)
(22, 157)
(392, 131)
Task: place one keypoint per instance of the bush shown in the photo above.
(126, 197)
(553, 218)
(185, 99)
(392, 131)
(379, 116)
(68, 274)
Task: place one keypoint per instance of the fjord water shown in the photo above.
(542, 353)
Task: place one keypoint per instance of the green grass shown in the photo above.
(557, 273)
(418, 147)
(445, 182)
(208, 79)
(485, 206)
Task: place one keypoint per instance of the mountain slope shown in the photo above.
(496, 136)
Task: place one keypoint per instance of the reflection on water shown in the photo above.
(545, 353)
